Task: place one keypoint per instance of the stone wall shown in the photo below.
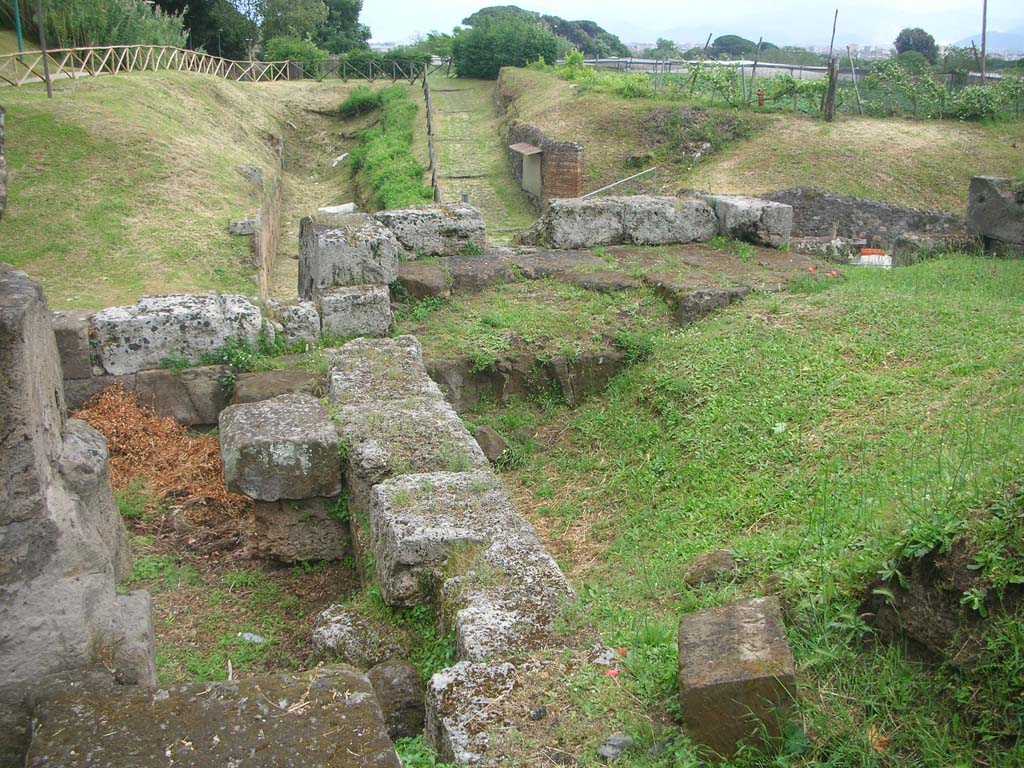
(561, 163)
(62, 543)
(819, 213)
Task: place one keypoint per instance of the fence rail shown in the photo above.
(72, 63)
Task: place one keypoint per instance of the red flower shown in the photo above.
(834, 273)
(811, 270)
(611, 673)
(622, 651)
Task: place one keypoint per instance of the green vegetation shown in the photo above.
(415, 754)
(288, 48)
(75, 23)
(134, 500)
(585, 36)
(385, 156)
(819, 436)
(159, 572)
(502, 41)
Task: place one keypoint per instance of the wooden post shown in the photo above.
(830, 94)
(753, 71)
(42, 48)
(853, 74)
(984, 24)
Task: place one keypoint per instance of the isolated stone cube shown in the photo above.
(353, 249)
(650, 220)
(283, 448)
(460, 707)
(298, 530)
(757, 221)
(300, 321)
(140, 337)
(358, 310)
(71, 327)
(577, 223)
(736, 675)
(436, 230)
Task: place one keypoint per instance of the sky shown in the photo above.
(788, 22)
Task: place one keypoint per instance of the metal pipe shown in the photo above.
(621, 181)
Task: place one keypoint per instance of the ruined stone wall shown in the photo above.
(561, 165)
(62, 542)
(819, 213)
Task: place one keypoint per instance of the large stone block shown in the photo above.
(194, 397)
(346, 635)
(358, 310)
(300, 321)
(460, 707)
(995, 211)
(400, 693)
(284, 448)
(761, 222)
(660, 220)
(328, 717)
(137, 338)
(576, 223)
(298, 530)
(423, 279)
(736, 676)
(354, 249)
(436, 230)
(71, 328)
(264, 385)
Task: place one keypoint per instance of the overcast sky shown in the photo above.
(785, 22)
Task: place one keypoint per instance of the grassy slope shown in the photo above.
(809, 433)
(121, 186)
(9, 42)
(926, 164)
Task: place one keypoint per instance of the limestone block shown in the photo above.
(264, 385)
(436, 230)
(694, 305)
(300, 321)
(995, 211)
(757, 221)
(400, 693)
(353, 249)
(652, 220)
(327, 717)
(576, 223)
(71, 328)
(297, 530)
(283, 448)
(358, 310)
(242, 227)
(423, 279)
(137, 338)
(460, 708)
(736, 674)
(534, 266)
(475, 272)
(346, 635)
(194, 396)
(367, 371)
(134, 642)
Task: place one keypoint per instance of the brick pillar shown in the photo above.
(562, 171)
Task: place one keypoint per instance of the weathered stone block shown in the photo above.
(400, 693)
(460, 708)
(194, 396)
(358, 310)
(345, 250)
(242, 227)
(534, 266)
(576, 223)
(761, 222)
(736, 675)
(344, 634)
(137, 338)
(297, 530)
(995, 211)
(475, 272)
(134, 642)
(367, 371)
(264, 385)
(437, 230)
(284, 448)
(300, 321)
(652, 220)
(423, 279)
(326, 717)
(71, 328)
(698, 304)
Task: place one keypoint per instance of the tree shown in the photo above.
(341, 31)
(291, 18)
(732, 47)
(913, 61)
(665, 49)
(215, 26)
(510, 42)
(916, 39)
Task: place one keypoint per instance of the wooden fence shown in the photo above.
(431, 151)
(72, 63)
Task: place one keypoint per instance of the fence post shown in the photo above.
(829, 107)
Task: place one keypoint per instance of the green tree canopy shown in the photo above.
(508, 42)
(291, 18)
(586, 36)
(732, 47)
(341, 31)
(208, 19)
(664, 49)
(916, 39)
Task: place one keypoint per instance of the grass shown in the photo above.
(814, 434)
(924, 164)
(122, 186)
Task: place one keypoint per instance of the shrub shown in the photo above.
(363, 99)
(976, 102)
(74, 23)
(510, 42)
(635, 85)
(288, 48)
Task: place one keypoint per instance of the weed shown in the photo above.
(415, 754)
(157, 571)
(175, 363)
(471, 249)
(636, 346)
(338, 510)
(134, 499)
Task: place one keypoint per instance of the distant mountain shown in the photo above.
(996, 41)
(587, 36)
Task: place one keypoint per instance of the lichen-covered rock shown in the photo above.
(423, 279)
(649, 220)
(358, 310)
(576, 223)
(345, 250)
(140, 337)
(761, 222)
(436, 230)
(736, 676)
(71, 328)
(300, 321)
(400, 693)
(284, 448)
(695, 305)
(344, 634)
(298, 530)
(328, 717)
(460, 709)
(995, 211)
(263, 385)
(709, 567)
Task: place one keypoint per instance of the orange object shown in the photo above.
(872, 252)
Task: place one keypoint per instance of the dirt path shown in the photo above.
(472, 157)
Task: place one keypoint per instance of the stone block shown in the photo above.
(368, 371)
(137, 338)
(475, 272)
(242, 227)
(534, 266)
(327, 717)
(134, 641)
(695, 305)
(298, 530)
(346, 635)
(194, 397)
(995, 211)
(652, 220)
(400, 693)
(264, 385)
(358, 310)
(602, 280)
(338, 210)
(910, 249)
(757, 221)
(736, 675)
(576, 223)
(71, 328)
(460, 707)
(354, 249)
(283, 448)
(423, 279)
(436, 230)
(300, 322)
